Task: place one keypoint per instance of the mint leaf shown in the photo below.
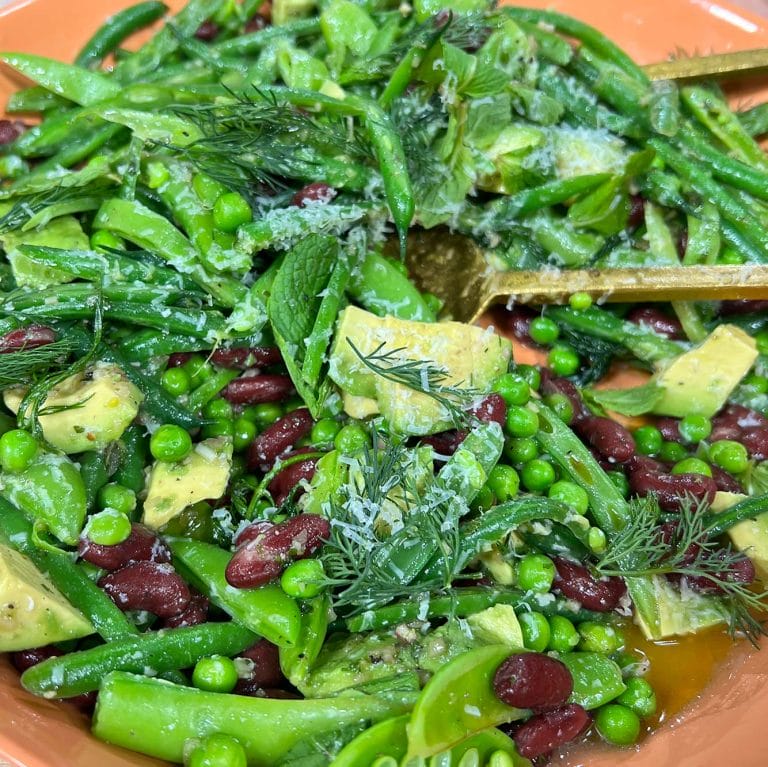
(635, 401)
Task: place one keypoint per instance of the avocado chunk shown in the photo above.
(749, 536)
(33, 612)
(91, 409)
(470, 357)
(172, 487)
(701, 380)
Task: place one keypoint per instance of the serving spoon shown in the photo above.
(456, 270)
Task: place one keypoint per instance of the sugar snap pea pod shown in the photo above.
(297, 661)
(749, 508)
(266, 610)
(159, 719)
(596, 678)
(145, 344)
(755, 120)
(71, 82)
(46, 138)
(558, 542)
(35, 99)
(12, 166)
(130, 471)
(253, 42)
(95, 474)
(50, 491)
(150, 126)
(116, 29)
(381, 288)
(66, 676)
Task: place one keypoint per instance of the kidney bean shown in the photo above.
(286, 479)
(516, 321)
(553, 385)
(756, 442)
(725, 431)
(266, 670)
(445, 442)
(255, 356)
(574, 581)
(533, 680)
(84, 702)
(193, 614)
(261, 560)
(156, 588)
(177, 359)
(743, 417)
(644, 463)
(491, 408)
(636, 211)
(725, 481)
(10, 130)
(545, 732)
(140, 546)
(256, 23)
(252, 531)
(207, 31)
(672, 489)
(743, 306)
(659, 322)
(254, 389)
(611, 440)
(30, 337)
(668, 535)
(670, 429)
(741, 571)
(317, 192)
(24, 659)
(279, 437)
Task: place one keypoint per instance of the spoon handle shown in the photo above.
(717, 65)
(671, 283)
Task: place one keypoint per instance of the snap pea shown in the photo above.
(35, 99)
(755, 120)
(145, 344)
(253, 42)
(130, 471)
(95, 474)
(749, 508)
(297, 661)
(66, 676)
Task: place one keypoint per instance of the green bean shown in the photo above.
(48, 137)
(253, 42)
(755, 120)
(66, 676)
(664, 108)
(559, 541)
(35, 99)
(95, 474)
(570, 246)
(749, 508)
(549, 45)
(63, 208)
(703, 244)
(118, 27)
(145, 344)
(209, 388)
(23, 300)
(12, 166)
(130, 471)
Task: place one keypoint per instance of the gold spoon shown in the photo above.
(455, 269)
(717, 65)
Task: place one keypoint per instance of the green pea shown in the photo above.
(175, 381)
(103, 240)
(599, 637)
(694, 428)
(535, 630)
(620, 482)
(231, 211)
(521, 422)
(218, 750)
(617, 724)
(398, 265)
(561, 405)
(483, 500)
(530, 375)
(761, 339)
(563, 360)
(535, 572)
(580, 301)
(513, 388)
(243, 433)
(198, 369)
(217, 408)
(18, 449)
(671, 452)
(351, 438)
(570, 493)
(170, 443)
(117, 497)
(544, 331)
(563, 636)
(757, 384)
(648, 440)
(215, 674)
(219, 427)
(537, 475)
(692, 466)
(521, 449)
(433, 302)
(303, 579)
(639, 697)
(325, 431)
(107, 528)
(504, 482)
(263, 414)
(596, 540)
(729, 455)
(157, 175)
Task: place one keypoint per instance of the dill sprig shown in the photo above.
(22, 365)
(686, 550)
(420, 375)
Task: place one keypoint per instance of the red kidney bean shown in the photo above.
(491, 408)
(141, 545)
(279, 437)
(574, 581)
(545, 732)
(725, 481)
(682, 243)
(177, 359)
(266, 670)
(756, 442)
(262, 560)
(668, 535)
(742, 416)
(84, 702)
(611, 440)
(516, 321)
(10, 130)
(254, 389)
(741, 571)
(670, 429)
(30, 337)
(277, 694)
(285, 480)
(659, 322)
(725, 431)
(24, 659)
(207, 31)
(644, 463)
(317, 192)
(195, 613)
(636, 211)
(743, 306)
(445, 442)
(242, 358)
(671, 489)
(553, 385)
(156, 588)
(252, 531)
(533, 680)
(256, 23)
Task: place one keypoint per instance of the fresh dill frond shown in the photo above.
(420, 375)
(23, 365)
(685, 550)
(597, 354)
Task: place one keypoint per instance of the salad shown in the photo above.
(258, 506)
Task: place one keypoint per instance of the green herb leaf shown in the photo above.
(634, 401)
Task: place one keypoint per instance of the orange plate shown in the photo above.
(727, 725)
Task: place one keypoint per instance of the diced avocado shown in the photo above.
(497, 625)
(701, 380)
(92, 408)
(64, 232)
(33, 612)
(499, 568)
(680, 612)
(582, 151)
(284, 11)
(749, 536)
(471, 357)
(203, 474)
